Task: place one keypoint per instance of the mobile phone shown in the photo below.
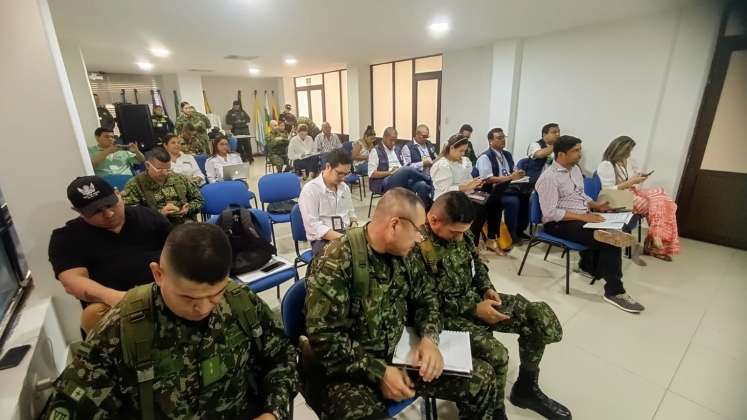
(268, 268)
(14, 356)
(649, 174)
(616, 210)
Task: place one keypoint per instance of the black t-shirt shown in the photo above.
(115, 260)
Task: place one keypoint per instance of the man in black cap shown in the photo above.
(106, 251)
(239, 121)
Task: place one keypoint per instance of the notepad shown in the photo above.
(614, 221)
(523, 180)
(454, 345)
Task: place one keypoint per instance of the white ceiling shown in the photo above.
(321, 34)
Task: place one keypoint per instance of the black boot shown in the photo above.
(527, 394)
(500, 414)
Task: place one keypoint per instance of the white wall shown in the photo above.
(77, 74)
(189, 87)
(221, 92)
(359, 100)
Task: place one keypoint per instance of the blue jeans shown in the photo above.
(516, 208)
(408, 178)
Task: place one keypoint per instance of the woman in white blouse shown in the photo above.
(619, 171)
(302, 152)
(452, 171)
(183, 163)
(222, 156)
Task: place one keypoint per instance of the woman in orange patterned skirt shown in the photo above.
(618, 171)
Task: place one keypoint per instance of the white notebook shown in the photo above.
(454, 346)
(614, 221)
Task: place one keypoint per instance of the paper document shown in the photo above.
(614, 221)
(258, 274)
(454, 346)
(521, 180)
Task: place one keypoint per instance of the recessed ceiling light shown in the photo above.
(291, 61)
(438, 28)
(144, 65)
(160, 52)
(253, 71)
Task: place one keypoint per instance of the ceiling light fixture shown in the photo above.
(438, 28)
(291, 61)
(253, 71)
(144, 65)
(160, 52)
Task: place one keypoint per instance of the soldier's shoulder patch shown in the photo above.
(59, 412)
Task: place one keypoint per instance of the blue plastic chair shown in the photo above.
(298, 232)
(539, 237)
(201, 159)
(294, 325)
(274, 188)
(592, 188)
(117, 181)
(220, 195)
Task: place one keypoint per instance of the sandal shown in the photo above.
(491, 245)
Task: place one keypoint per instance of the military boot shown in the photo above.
(527, 394)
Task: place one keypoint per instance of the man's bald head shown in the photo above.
(397, 222)
(398, 202)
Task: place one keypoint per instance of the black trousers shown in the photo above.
(309, 164)
(601, 260)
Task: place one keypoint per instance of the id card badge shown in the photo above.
(337, 224)
(212, 370)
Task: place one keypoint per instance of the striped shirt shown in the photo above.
(561, 190)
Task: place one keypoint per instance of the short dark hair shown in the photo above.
(100, 130)
(182, 104)
(199, 252)
(236, 103)
(456, 207)
(168, 137)
(465, 127)
(546, 128)
(188, 127)
(493, 131)
(338, 157)
(158, 153)
(564, 144)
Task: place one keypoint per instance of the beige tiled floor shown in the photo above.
(683, 358)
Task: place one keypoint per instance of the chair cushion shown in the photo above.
(279, 218)
(307, 256)
(393, 407)
(554, 240)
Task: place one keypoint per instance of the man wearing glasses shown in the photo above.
(326, 204)
(171, 194)
(360, 292)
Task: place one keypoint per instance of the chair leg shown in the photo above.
(434, 409)
(272, 230)
(523, 260)
(549, 247)
(562, 255)
(278, 289)
(640, 229)
(370, 205)
(256, 205)
(567, 272)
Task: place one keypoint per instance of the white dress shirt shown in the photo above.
(319, 203)
(214, 166)
(325, 145)
(448, 175)
(486, 169)
(606, 172)
(373, 159)
(299, 148)
(186, 165)
(407, 158)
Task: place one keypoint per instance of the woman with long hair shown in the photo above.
(360, 151)
(619, 171)
(221, 157)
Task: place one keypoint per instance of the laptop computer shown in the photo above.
(237, 171)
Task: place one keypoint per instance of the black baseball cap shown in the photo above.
(89, 194)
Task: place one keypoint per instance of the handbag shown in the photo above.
(617, 199)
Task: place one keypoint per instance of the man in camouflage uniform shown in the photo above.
(353, 331)
(171, 194)
(190, 144)
(313, 129)
(200, 123)
(469, 302)
(162, 124)
(276, 146)
(206, 347)
(287, 117)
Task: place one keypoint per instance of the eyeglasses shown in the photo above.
(341, 173)
(420, 230)
(162, 170)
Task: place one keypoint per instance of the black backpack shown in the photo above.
(250, 250)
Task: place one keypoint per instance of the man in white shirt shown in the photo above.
(386, 170)
(420, 153)
(302, 152)
(326, 204)
(326, 141)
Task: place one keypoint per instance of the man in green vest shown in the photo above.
(201, 125)
(194, 345)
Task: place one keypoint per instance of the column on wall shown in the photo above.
(77, 74)
(359, 99)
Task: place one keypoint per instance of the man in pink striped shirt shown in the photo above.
(565, 210)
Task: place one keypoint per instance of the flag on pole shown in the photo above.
(267, 117)
(275, 115)
(206, 103)
(259, 121)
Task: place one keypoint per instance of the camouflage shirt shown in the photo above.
(277, 147)
(459, 276)
(178, 189)
(200, 143)
(257, 371)
(355, 337)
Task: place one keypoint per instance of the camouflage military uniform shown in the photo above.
(258, 374)
(313, 129)
(460, 280)
(200, 143)
(178, 189)
(354, 338)
(277, 149)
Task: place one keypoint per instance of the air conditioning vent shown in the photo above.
(201, 70)
(240, 57)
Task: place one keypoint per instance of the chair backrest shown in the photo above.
(522, 164)
(348, 147)
(117, 181)
(273, 188)
(233, 144)
(220, 195)
(298, 231)
(291, 310)
(593, 186)
(201, 159)
(535, 211)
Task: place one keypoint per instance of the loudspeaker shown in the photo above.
(135, 125)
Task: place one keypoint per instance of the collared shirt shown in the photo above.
(299, 148)
(214, 166)
(612, 174)
(561, 190)
(373, 159)
(319, 204)
(424, 154)
(448, 175)
(117, 163)
(485, 168)
(186, 165)
(325, 145)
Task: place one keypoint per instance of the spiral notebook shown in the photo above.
(454, 346)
